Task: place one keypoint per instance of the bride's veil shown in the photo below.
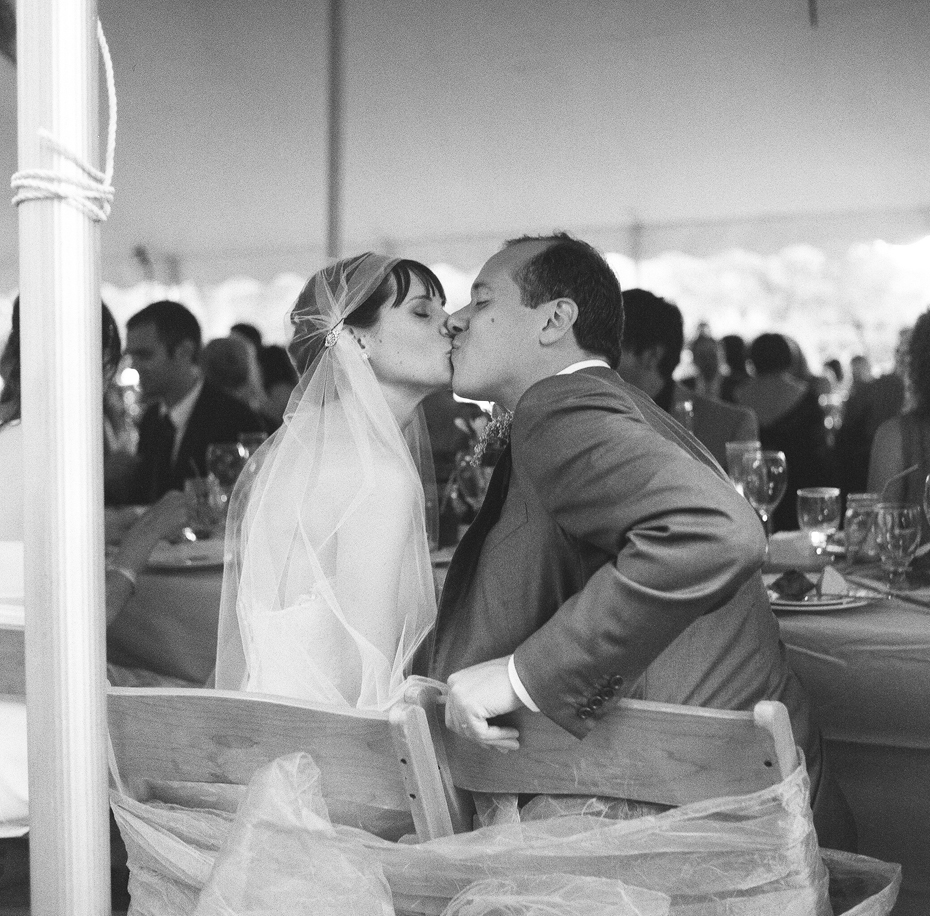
(327, 587)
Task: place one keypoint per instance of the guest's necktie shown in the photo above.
(162, 455)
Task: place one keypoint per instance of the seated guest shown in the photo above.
(186, 412)
(735, 355)
(791, 420)
(277, 375)
(139, 539)
(870, 403)
(229, 363)
(11, 434)
(904, 440)
(653, 336)
(705, 353)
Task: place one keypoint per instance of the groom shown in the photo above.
(611, 557)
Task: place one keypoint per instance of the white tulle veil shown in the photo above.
(327, 588)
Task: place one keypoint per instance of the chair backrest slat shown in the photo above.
(650, 752)
(223, 737)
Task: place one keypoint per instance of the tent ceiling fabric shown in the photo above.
(695, 124)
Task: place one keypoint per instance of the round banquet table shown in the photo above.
(170, 624)
(867, 671)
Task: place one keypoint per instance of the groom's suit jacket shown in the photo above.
(613, 558)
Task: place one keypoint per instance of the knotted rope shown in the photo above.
(92, 192)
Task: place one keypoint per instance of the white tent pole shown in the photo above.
(62, 431)
(335, 116)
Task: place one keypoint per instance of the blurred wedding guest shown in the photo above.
(278, 376)
(791, 420)
(733, 348)
(11, 435)
(227, 363)
(835, 369)
(904, 440)
(653, 336)
(801, 370)
(705, 353)
(138, 539)
(860, 370)
(186, 412)
(869, 404)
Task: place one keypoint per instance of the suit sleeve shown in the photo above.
(683, 540)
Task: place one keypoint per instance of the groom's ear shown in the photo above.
(562, 315)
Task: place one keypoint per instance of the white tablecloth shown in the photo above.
(867, 671)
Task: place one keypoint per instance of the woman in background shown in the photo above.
(904, 440)
(791, 420)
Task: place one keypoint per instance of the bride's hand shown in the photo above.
(477, 694)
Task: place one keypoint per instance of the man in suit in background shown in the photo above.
(186, 413)
(653, 337)
(611, 556)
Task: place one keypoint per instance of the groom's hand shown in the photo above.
(477, 694)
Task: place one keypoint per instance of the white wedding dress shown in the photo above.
(328, 588)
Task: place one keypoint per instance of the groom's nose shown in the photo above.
(457, 321)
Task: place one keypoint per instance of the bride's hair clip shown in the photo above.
(333, 334)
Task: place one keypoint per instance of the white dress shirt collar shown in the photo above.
(583, 364)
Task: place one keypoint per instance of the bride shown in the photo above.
(328, 588)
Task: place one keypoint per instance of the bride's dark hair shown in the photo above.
(393, 289)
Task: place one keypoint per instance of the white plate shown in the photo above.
(815, 605)
(187, 555)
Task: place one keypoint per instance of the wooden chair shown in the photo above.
(171, 736)
(644, 751)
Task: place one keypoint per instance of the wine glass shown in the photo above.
(736, 451)
(252, 441)
(819, 514)
(897, 534)
(225, 461)
(765, 477)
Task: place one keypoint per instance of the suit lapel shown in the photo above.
(465, 558)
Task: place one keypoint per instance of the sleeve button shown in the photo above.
(607, 693)
(585, 712)
(616, 682)
(596, 702)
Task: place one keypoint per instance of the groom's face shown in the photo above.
(496, 335)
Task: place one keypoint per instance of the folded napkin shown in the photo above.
(794, 585)
(794, 550)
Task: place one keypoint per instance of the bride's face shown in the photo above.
(409, 347)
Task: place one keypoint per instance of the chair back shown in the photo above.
(640, 750)
(368, 761)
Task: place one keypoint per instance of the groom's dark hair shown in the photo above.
(575, 270)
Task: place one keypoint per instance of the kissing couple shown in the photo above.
(611, 556)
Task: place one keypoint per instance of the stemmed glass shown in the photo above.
(225, 461)
(735, 454)
(764, 479)
(819, 514)
(897, 534)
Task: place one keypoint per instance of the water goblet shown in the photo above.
(859, 526)
(204, 506)
(736, 452)
(225, 461)
(927, 497)
(897, 534)
(819, 514)
(764, 482)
